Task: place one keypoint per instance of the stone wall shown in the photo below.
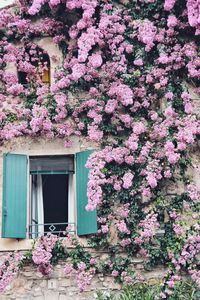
(30, 284)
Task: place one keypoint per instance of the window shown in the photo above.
(45, 76)
(42, 66)
(49, 183)
(51, 195)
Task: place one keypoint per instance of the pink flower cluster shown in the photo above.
(41, 121)
(123, 211)
(188, 253)
(193, 192)
(148, 226)
(169, 4)
(42, 254)
(146, 33)
(172, 156)
(122, 92)
(9, 268)
(83, 276)
(122, 227)
(127, 180)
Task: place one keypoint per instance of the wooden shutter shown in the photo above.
(14, 208)
(86, 221)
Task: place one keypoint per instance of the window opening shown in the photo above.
(42, 66)
(50, 194)
(45, 76)
(22, 77)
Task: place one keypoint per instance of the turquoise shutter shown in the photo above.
(86, 221)
(14, 196)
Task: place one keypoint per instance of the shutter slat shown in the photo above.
(14, 196)
(86, 221)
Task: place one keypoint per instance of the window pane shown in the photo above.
(48, 164)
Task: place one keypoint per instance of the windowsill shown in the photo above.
(14, 244)
(26, 244)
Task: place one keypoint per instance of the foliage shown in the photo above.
(129, 67)
(183, 290)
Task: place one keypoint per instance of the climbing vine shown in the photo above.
(130, 67)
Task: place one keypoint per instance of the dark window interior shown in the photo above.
(55, 199)
(22, 77)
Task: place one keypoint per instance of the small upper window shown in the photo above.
(45, 76)
(39, 62)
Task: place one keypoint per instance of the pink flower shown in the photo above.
(169, 4)
(104, 228)
(68, 269)
(93, 261)
(169, 146)
(115, 273)
(189, 108)
(123, 93)
(16, 89)
(122, 227)
(95, 60)
(129, 48)
(172, 21)
(151, 180)
(110, 107)
(169, 112)
(123, 211)
(125, 242)
(81, 266)
(94, 133)
(138, 62)
(78, 70)
(54, 2)
(173, 158)
(169, 95)
(177, 229)
(167, 174)
(147, 34)
(192, 191)
(181, 146)
(127, 180)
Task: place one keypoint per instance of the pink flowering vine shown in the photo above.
(123, 83)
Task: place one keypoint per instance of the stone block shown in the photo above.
(52, 284)
(62, 289)
(65, 282)
(62, 297)
(28, 273)
(51, 295)
(38, 298)
(105, 256)
(139, 267)
(18, 282)
(43, 284)
(105, 284)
